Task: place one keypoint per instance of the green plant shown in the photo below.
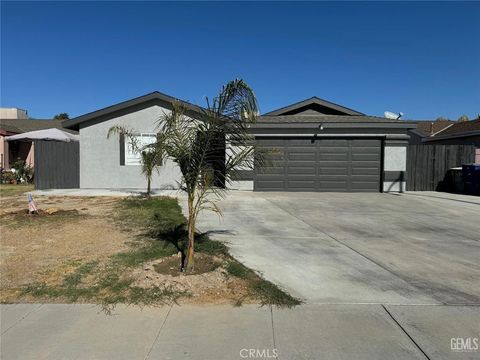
(62, 116)
(150, 159)
(198, 147)
(270, 294)
(8, 177)
(239, 270)
(23, 172)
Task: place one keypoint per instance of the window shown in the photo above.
(132, 156)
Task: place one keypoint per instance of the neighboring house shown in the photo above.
(460, 133)
(13, 113)
(426, 129)
(317, 146)
(23, 150)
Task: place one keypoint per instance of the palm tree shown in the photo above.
(198, 147)
(150, 161)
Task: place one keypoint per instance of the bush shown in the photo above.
(8, 177)
(23, 172)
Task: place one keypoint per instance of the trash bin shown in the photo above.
(471, 179)
(453, 181)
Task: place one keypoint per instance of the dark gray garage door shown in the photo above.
(302, 164)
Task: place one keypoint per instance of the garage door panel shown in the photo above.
(301, 184)
(301, 156)
(333, 171)
(365, 171)
(364, 143)
(327, 164)
(332, 149)
(364, 157)
(364, 164)
(333, 157)
(322, 165)
(271, 185)
(299, 170)
(271, 170)
(366, 150)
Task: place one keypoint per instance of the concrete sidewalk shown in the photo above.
(53, 331)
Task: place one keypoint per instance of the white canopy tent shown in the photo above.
(52, 134)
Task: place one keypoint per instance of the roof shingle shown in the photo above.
(24, 125)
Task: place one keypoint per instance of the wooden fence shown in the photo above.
(57, 165)
(428, 165)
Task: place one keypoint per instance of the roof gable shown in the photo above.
(154, 98)
(430, 128)
(461, 128)
(313, 106)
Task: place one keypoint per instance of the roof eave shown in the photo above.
(334, 125)
(156, 95)
(315, 100)
(452, 136)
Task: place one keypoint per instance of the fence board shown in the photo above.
(428, 164)
(57, 165)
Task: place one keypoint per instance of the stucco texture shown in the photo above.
(100, 157)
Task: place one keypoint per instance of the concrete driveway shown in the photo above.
(413, 248)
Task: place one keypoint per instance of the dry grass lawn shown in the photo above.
(103, 250)
(45, 249)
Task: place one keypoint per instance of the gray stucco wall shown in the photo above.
(100, 157)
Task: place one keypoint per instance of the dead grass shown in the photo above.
(36, 249)
(83, 252)
(7, 190)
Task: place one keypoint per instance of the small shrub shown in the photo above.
(270, 294)
(239, 270)
(208, 246)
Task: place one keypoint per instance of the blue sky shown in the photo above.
(421, 58)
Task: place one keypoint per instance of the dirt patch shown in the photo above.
(170, 265)
(47, 247)
(209, 283)
(42, 213)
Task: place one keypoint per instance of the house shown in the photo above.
(459, 133)
(13, 113)
(318, 146)
(446, 132)
(23, 150)
(426, 129)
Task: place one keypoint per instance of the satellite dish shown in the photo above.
(392, 115)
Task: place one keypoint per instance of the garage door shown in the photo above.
(302, 164)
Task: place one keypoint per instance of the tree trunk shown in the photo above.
(148, 186)
(189, 266)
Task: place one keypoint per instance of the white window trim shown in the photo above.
(134, 158)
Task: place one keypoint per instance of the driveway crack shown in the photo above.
(158, 333)
(406, 333)
(273, 331)
(22, 318)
